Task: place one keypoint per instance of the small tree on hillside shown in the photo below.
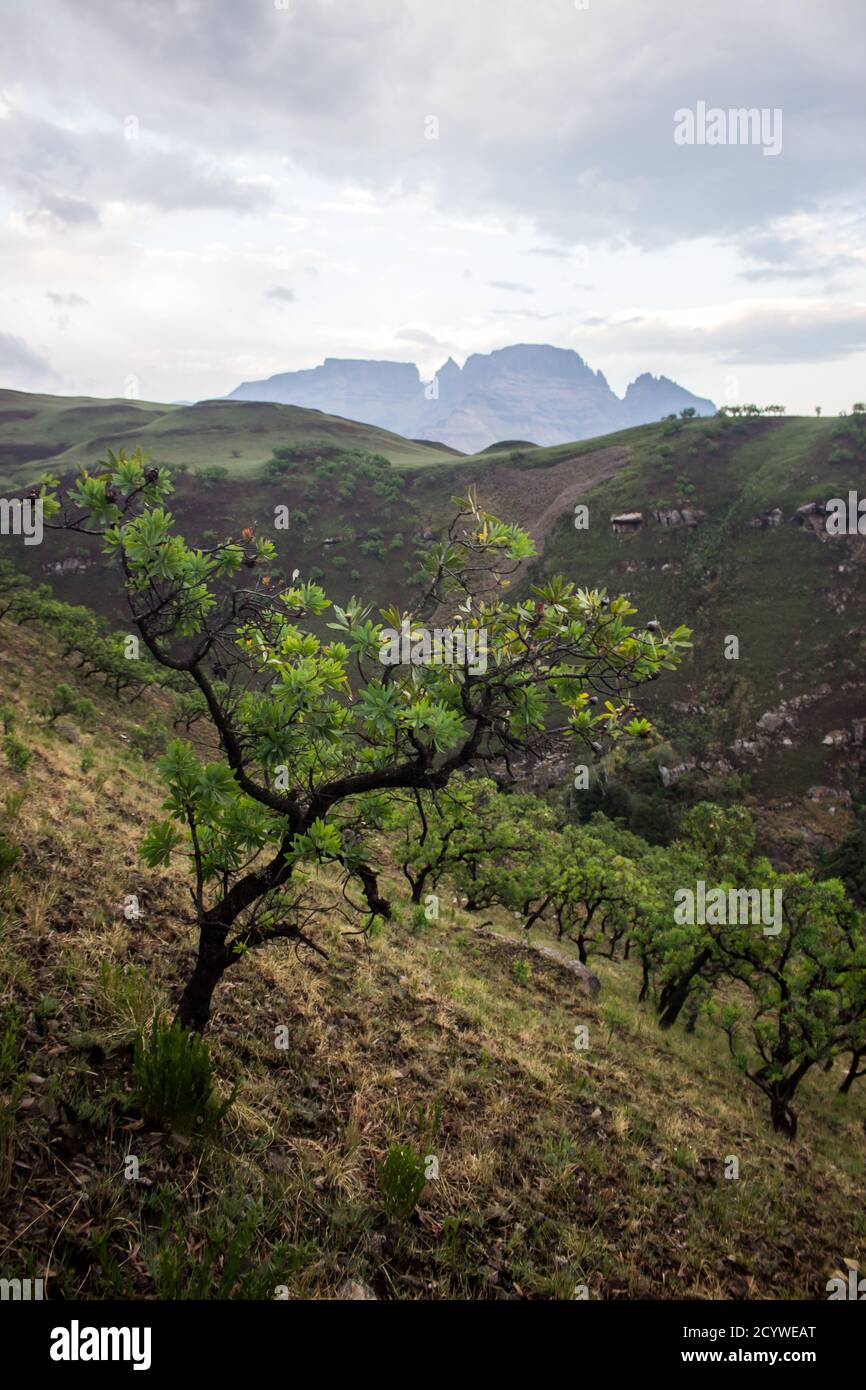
(594, 882)
(481, 837)
(806, 986)
(314, 736)
(717, 845)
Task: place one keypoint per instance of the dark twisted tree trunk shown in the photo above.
(216, 953)
(193, 1010)
(674, 996)
(783, 1117)
(780, 1093)
(645, 980)
(853, 1073)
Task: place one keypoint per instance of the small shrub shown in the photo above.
(124, 997)
(401, 1181)
(18, 755)
(615, 1020)
(149, 738)
(63, 700)
(172, 1077)
(12, 803)
(373, 547)
(375, 928)
(522, 971)
(419, 922)
(8, 855)
(213, 473)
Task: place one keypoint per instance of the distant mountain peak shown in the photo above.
(522, 391)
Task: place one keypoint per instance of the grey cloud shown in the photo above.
(512, 286)
(282, 295)
(779, 258)
(65, 174)
(767, 276)
(768, 333)
(582, 143)
(70, 211)
(65, 301)
(419, 336)
(20, 366)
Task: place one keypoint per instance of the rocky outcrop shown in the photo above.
(671, 775)
(704, 767)
(71, 565)
(765, 521)
(781, 726)
(626, 523)
(650, 398)
(680, 516)
(812, 516)
(778, 725)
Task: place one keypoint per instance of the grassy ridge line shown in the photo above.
(74, 432)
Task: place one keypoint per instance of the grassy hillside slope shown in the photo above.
(794, 598)
(70, 432)
(557, 1167)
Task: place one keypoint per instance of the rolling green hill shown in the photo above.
(70, 432)
(35, 429)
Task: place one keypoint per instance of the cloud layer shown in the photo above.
(453, 170)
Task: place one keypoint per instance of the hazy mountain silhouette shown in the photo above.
(528, 391)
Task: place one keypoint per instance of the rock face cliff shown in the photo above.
(545, 394)
(378, 393)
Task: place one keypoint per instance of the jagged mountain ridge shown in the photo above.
(528, 391)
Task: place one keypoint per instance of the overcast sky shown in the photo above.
(199, 192)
